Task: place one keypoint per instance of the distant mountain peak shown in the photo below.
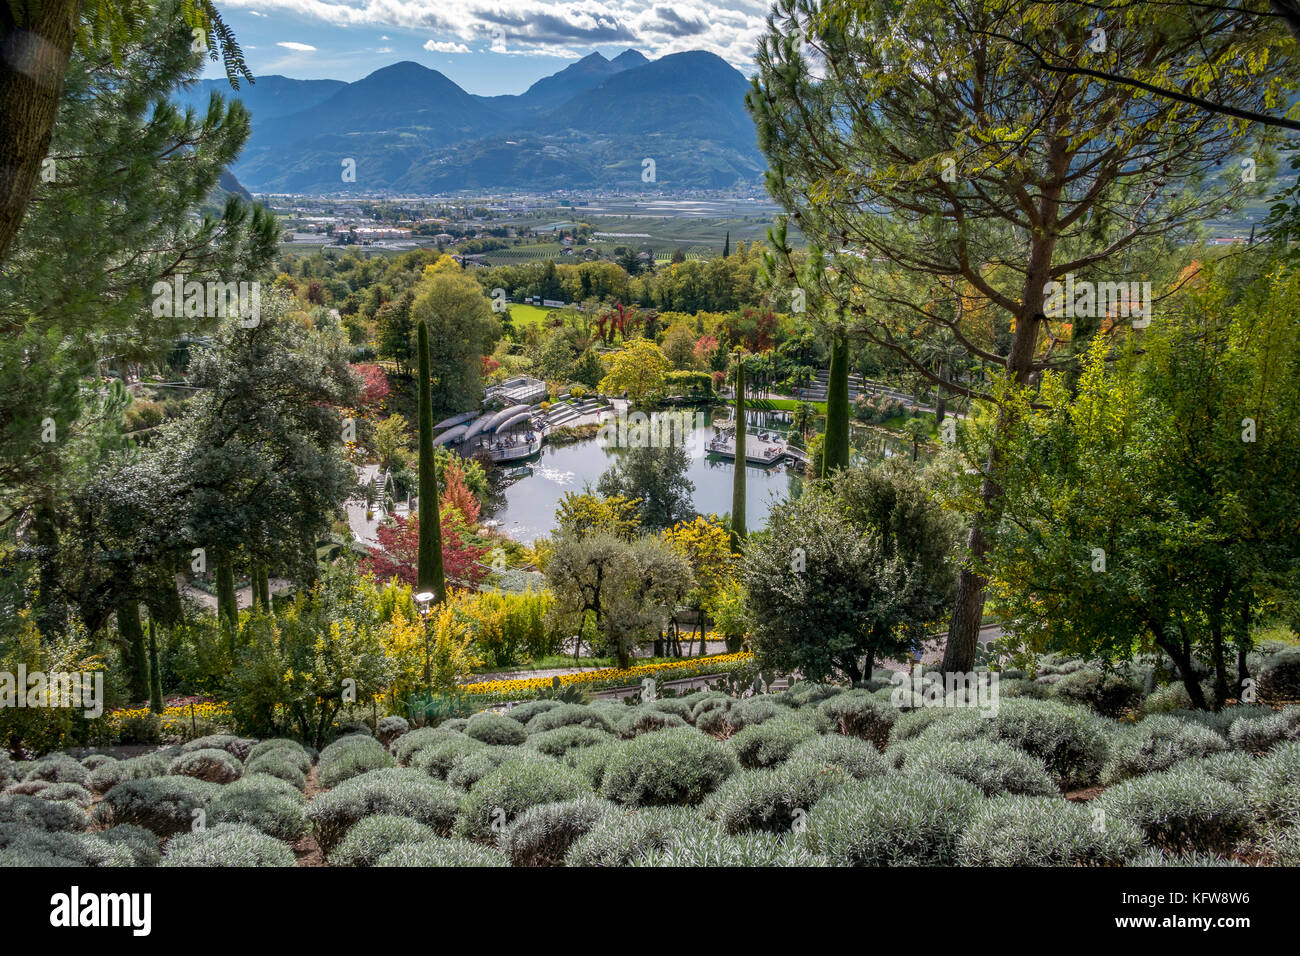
(630, 58)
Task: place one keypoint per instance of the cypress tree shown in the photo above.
(155, 673)
(726, 245)
(836, 451)
(429, 574)
(128, 625)
(738, 476)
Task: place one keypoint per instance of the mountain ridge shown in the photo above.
(593, 124)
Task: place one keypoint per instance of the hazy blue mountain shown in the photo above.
(592, 124)
(269, 98)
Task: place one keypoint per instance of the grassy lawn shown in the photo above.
(782, 404)
(525, 315)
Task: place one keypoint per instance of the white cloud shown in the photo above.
(296, 47)
(728, 28)
(441, 46)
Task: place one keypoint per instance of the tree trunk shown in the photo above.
(835, 453)
(1182, 658)
(37, 48)
(429, 571)
(738, 533)
(133, 649)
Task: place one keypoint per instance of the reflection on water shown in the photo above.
(526, 508)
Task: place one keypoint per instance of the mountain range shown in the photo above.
(590, 126)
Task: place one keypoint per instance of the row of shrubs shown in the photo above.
(818, 775)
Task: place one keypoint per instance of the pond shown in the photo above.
(526, 506)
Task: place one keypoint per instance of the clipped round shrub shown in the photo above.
(561, 740)
(8, 774)
(439, 852)
(543, 834)
(896, 820)
(752, 710)
(855, 713)
(771, 799)
(371, 838)
(238, 747)
(210, 764)
(1258, 734)
(108, 775)
(1275, 784)
(677, 706)
(710, 700)
(505, 793)
(1153, 856)
(408, 745)
(49, 815)
(58, 768)
(23, 846)
(592, 761)
(912, 723)
(623, 836)
(673, 766)
(1019, 830)
(529, 709)
(1279, 675)
(771, 742)
(991, 765)
(390, 728)
(701, 848)
(646, 720)
(139, 842)
(281, 745)
(495, 729)
(73, 792)
(809, 693)
(163, 805)
(1285, 847)
(439, 758)
(1232, 767)
(1106, 692)
(281, 764)
(395, 791)
(856, 757)
(227, 844)
(1181, 809)
(570, 714)
(1166, 698)
(1070, 741)
(1157, 743)
(350, 757)
(473, 767)
(273, 813)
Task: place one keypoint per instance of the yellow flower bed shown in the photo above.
(613, 675)
(175, 720)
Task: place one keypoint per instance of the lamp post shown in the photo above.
(424, 603)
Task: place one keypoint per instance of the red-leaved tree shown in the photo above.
(399, 545)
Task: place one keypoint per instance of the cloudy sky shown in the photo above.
(487, 46)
